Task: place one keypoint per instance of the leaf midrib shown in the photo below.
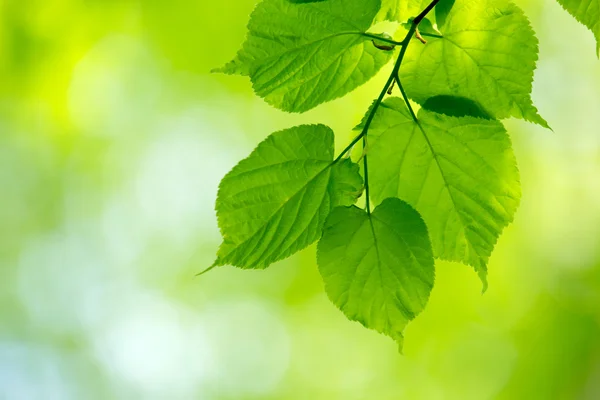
(300, 46)
(419, 126)
(270, 217)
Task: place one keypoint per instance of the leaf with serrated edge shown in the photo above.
(299, 55)
(586, 12)
(488, 53)
(460, 173)
(275, 202)
(378, 268)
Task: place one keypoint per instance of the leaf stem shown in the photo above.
(394, 77)
(432, 35)
(366, 165)
(424, 13)
(405, 97)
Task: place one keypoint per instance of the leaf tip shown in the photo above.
(214, 265)
(400, 343)
(233, 67)
(484, 282)
(536, 118)
(546, 125)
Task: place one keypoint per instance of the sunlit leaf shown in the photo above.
(488, 53)
(459, 172)
(301, 54)
(378, 268)
(275, 202)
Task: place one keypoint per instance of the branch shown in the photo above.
(394, 77)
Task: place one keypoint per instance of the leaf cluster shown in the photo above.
(437, 164)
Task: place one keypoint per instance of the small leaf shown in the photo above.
(459, 173)
(586, 12)
(487, 53)
(275, 202)
(378, 268)
(301, 54)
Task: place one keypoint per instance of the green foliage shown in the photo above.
(442, 9)
(275, 202)
(459, 173)
(401, 10)
(377, 268)
(445, 178)
(588, 13)
(487, 53)
(302, 54)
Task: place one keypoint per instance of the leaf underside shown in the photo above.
(378, 268)
(444, 182)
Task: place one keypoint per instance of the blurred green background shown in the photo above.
(113, 138)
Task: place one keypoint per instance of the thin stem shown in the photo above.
(365, 163)
(369, 118)
(432, 35)
(207, 269)
(349, 147)
(404, 46)
(405, 97)
(424, 13)
(394, 77)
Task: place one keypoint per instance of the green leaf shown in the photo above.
(378, 269)
(275, 202)
(586, 12)
(442, 9)
(301, 54)
(401, 10)
(426, 27)
(460, 173)
(390, 10)
(487, 53)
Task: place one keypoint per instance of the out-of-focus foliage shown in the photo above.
(113, 138)
(588, 13)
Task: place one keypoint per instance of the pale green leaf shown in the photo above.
(460, 173)
(401, 10)
(301, 54)
(488, 53)
(586, 12)
(378, 269)
(275, 202)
